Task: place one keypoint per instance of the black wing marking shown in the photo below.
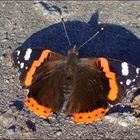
(128, 76)
(30, 59)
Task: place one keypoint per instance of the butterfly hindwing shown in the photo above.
(46, 95)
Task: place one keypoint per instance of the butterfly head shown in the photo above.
(73, 55)
(73, 52)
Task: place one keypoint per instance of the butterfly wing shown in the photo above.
(29, 62)
(127, 76)
(88, 100)
(39, 70)
(46, 95)
(97, 84)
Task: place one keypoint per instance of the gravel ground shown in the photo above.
(30, 24)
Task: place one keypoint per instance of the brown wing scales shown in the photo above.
(45, 57)
(88, 101)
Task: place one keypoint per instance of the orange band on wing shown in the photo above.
(39, 110)
(90, 116)
(35, 65)
(113, 93)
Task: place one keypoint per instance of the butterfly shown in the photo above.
(97, 83)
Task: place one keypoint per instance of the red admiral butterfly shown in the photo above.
(97, 82)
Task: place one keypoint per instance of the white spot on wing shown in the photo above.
(125, 70)
(121, 82)
(18, 62)
(18, 53)
(137, 70)
(134, 80)
(26, 68)
(22, 65)
(128, 82)
(28, 54)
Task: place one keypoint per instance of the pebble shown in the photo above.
(3, 56)
(120, 121)
(47, 9)
(138, 17)
(137, 121)
(7, 81)
(6, 122)
(10, 131)
(59, 132)
(65, 9)
(4, 36)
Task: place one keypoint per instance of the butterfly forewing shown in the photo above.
(30, 60)
(42, 72)
(127, 76)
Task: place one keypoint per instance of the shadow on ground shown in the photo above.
(114, 42)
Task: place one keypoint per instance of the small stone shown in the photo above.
(47, 9)
(65, 9)
(10, 132)
(135, 105)
(122, 123)
(59, 132)
(110, 119)
(1, 58)
(4, 36)
(138, 17)
(7, 81)
(4, 40)
(5, 121)
(137, 122)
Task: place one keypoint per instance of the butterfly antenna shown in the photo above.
(91, 38)
(66, 31)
